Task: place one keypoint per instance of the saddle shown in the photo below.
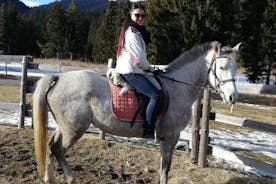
(124, 106)
(127, 104)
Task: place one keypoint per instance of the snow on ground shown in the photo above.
(14, 69)
(254, 141)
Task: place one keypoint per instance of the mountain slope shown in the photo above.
(82, 4)
(19, 6)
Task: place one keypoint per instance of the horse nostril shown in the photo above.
(231, 99)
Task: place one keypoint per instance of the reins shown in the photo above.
(181, 82)
(206, 86)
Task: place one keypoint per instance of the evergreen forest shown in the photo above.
(175, 26)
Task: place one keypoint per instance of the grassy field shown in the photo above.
(254, 112)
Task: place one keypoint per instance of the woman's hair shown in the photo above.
(135, 6)
(125, 25)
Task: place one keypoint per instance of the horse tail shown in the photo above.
(40, 120)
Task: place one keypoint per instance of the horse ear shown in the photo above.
(236, 48)
(216, 46)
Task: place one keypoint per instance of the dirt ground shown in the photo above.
(107, 162)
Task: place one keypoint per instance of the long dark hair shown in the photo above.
(125, 25)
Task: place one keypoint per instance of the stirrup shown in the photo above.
(149, 133)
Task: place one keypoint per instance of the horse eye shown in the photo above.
(222, 68)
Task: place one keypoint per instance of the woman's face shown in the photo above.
(138, 15)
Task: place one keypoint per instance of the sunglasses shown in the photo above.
(137, 15)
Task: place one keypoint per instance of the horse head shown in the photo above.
(222, 71)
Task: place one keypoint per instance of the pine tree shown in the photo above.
(72, 31)
(106, 36)
(33, 21)
(164, 23)
(229, 23)
(8, 29)
(269, 39)
(3, 32)
(120, 14)
(211, 18)
(83, 36)
(94, 24)
(54, 33)
(252, 18)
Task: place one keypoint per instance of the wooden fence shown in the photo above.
(26, 85)
(200, 129)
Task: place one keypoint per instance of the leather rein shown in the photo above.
(218, 82)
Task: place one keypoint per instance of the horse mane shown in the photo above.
(189, 56)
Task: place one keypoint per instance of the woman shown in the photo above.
(132, 62)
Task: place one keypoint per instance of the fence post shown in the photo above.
(6, 67)
(204, 132)
(22, 105)
(102, 135)
(195, 129)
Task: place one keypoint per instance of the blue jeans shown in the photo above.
(144, 86)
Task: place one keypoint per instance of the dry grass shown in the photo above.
(249, 112)
(96, 161)
(132, 158)
(10, 94)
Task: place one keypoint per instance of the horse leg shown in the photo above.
(61, 143)
(59, 150)
(50, 168)
(167, 149)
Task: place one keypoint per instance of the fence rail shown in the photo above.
(26, 83)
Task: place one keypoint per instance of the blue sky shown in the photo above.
(32, 3)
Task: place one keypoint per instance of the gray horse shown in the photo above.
(77, 99)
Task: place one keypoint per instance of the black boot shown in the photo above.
(148, 131)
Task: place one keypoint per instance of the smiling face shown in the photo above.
(138, 15)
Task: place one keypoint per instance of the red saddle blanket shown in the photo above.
(124, 106)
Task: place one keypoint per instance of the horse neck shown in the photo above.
(193, 74)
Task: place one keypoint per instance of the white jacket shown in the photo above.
(134, 57)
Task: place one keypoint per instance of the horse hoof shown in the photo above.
(70, 180)
(50, 181)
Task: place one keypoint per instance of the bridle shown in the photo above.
(212, 68)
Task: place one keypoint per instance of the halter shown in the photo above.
(218, 82)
